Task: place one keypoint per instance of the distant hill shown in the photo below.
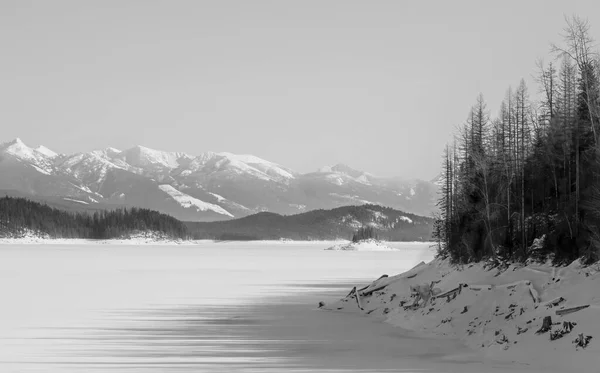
(338, 223)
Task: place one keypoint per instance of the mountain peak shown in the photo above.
(345, 169)
(14, 142)
(112, 150)
(141, 156)
(16, 147)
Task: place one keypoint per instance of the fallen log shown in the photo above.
(376, 288)
(555, 302)
(567, 311)
(365, 287)
(351, 292)
(450, 292)
(371, 291)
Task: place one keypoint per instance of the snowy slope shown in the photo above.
(497, 312)
(45, 151)
(187, 201)
(228, 165)
(270, 169)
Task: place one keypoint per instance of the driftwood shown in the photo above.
(364, 287)
(366, 293)
(358, 299)
(567, 311)
(354, 293)
(555, 302)
(450, 292)
(351, 292)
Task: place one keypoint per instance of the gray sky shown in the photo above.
(378, 85)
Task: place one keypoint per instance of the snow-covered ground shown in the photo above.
(495, 312)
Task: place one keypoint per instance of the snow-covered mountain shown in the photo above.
(206, 187)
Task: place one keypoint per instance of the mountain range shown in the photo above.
(206, 187)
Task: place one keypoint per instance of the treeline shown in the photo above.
(531, 172)
(19, 214)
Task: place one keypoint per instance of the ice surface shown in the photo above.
(87, 307)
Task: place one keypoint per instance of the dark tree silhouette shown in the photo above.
(534, 173)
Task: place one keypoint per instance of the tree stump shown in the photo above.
(568, 326)
(546, 325)
(582, 341)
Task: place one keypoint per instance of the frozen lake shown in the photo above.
(212, 307)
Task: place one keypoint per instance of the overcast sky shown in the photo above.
(378, 85)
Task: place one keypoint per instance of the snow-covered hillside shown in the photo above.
(498, 312)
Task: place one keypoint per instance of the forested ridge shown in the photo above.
(339, 223)
(18, 215)
(533, 171)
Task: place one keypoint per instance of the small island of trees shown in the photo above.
(364, 233)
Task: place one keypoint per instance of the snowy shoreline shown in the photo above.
(151, 240)
(496, 312)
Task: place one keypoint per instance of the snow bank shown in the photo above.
(496, 312)
(365, 245)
